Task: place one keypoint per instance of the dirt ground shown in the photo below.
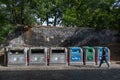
(115, 51)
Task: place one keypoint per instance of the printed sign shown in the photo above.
(90, 55)
(76, 55)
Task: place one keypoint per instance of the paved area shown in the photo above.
(113, 65)
(80, 72)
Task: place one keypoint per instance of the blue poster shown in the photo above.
(75, 55)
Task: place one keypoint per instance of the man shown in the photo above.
(104, 58)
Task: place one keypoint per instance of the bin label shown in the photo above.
(90, 55)
(75, 55)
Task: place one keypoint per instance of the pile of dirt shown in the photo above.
(115, 51)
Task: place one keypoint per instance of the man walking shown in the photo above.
(104, 58)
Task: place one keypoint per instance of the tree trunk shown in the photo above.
(55, 20)
(13, 11)
(22, 11)
(47, 21)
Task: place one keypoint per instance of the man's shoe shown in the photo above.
(98, 66)
(108, 67)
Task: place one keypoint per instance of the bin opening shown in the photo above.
(75, 50)
(16, 51)
(90, 50)
(58, 51)
(37, 51)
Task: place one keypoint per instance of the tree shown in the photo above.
(79, 13)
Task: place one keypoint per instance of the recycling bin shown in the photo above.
(16, 56)
(58, 56)
(88, 55)
(75, 56)
(38, 56)
(99, 52)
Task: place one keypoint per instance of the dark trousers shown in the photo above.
(101, 62)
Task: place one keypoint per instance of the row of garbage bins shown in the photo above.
(54, 56)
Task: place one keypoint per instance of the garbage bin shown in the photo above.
(38, 56)
(16, 56)
(99, 52)
(88, 55)
(58, 56)
(75, 56)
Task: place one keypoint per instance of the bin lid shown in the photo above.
(74, 48)
(88, 47)
(99, 47)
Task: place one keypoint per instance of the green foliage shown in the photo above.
(80, 13)
(5, 30)
(69, 18)
(76, 13)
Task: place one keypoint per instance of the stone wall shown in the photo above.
(66, 37)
